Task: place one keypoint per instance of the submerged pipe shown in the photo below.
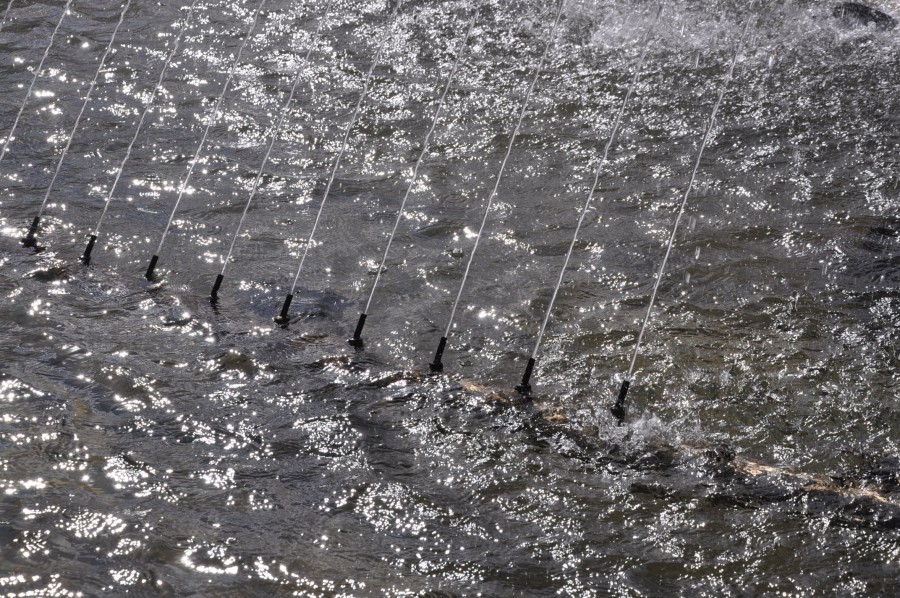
(882, 15)
(438, 365)
(618, 408)
(869, 499)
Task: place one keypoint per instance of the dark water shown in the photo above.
(151, 444)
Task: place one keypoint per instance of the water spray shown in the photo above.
(525, 386)
(86, 256)
(211, 119)
(357, 340)
(866, 13)
(437, 365)
(385, 36)
(12, 132)
(275, 132)
(618, 409)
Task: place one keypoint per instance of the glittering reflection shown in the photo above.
(93, 525)
(332, 437)
(210, 560)
(151, 443)
(21, 586)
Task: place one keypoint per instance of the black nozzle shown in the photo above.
(437, 365)
(151, 268)
(525, 386)
(214, 295)
(618, 410)
(86, 256)
(286, 306)
(29, 240)
(357, 340)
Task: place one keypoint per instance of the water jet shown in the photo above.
(273, 138)
(211, 119)
(437, 365)
(6, 14)
(86, 256)
(283, 315)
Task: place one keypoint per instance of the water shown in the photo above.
(154, 445)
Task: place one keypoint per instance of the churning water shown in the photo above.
(154, 444)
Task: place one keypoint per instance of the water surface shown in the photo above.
(153, 444)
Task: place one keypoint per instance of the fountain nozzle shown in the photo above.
(151, 268)
(618, 409)
(214, 294)
(357, 340)
(437, 365)
(283, 318)
(525, 387)
(29, 240)
(86, 256)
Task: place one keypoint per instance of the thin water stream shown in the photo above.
(154, 444)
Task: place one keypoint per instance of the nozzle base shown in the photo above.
(284, 316)
(151, 269)
(525, 387)
(437, 365)
(86, 256)
(214, 294)
(618, 409)
(357, 340)
(29, 239)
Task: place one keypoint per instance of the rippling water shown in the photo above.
(153, 444)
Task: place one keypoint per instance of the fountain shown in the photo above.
(30, 239)
(618, 409)
(438, 365)
(86, 256)
(274, 137)
(211, 119)
(356, 340)
(283, 315)
(525, 386)
(153, 444)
